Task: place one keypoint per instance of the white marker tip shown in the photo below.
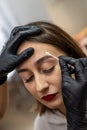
(51, 55)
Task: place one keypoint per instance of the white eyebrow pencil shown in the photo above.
(51, 55)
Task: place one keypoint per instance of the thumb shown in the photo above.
(24, 55)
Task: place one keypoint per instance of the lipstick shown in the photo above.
(49, 97)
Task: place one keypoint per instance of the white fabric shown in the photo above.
(51, 120)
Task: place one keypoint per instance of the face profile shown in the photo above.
(41, 74)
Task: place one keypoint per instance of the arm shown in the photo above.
(3, 99)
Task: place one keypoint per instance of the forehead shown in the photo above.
(39, 52)
(39, 48)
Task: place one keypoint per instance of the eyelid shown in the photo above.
(29, 79)
(49, 70)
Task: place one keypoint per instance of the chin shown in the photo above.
(55, 104)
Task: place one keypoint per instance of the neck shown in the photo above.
(62, 109)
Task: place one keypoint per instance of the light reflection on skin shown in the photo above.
(43, 79)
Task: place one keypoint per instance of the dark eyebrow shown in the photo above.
(42, 59)
(37, 62)
(22, 70)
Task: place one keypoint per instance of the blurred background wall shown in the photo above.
(71, 15)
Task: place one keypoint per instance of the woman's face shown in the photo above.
(41, 74)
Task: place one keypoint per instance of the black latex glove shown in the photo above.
(8, 58)
(74, 92)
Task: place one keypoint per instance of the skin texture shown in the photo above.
(42, 81)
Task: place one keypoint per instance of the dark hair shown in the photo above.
(54, 35)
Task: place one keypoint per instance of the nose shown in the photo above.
(41, 83)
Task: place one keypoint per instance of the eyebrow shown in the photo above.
(42, 59)
(37, 62)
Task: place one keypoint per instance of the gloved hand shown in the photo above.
(8, 58)
(75, 92)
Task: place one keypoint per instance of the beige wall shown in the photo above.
(69, 14)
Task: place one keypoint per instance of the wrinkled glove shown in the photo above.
(75, 92)
(8, 58)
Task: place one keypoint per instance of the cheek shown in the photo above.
(58, 78)
(30, 89)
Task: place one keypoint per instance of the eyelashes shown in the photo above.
(29, 79)
(47, 71)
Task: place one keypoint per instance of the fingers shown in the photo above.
(33, 30)
(67, 59)
(24, 55)
(83, 61)
(14, 42)
(77, 66)
(66, 79)
(64, 68)
(71, 60)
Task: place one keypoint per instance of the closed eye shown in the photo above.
(29, 79)
(49, 70)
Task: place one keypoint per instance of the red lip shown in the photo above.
(49, 97)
